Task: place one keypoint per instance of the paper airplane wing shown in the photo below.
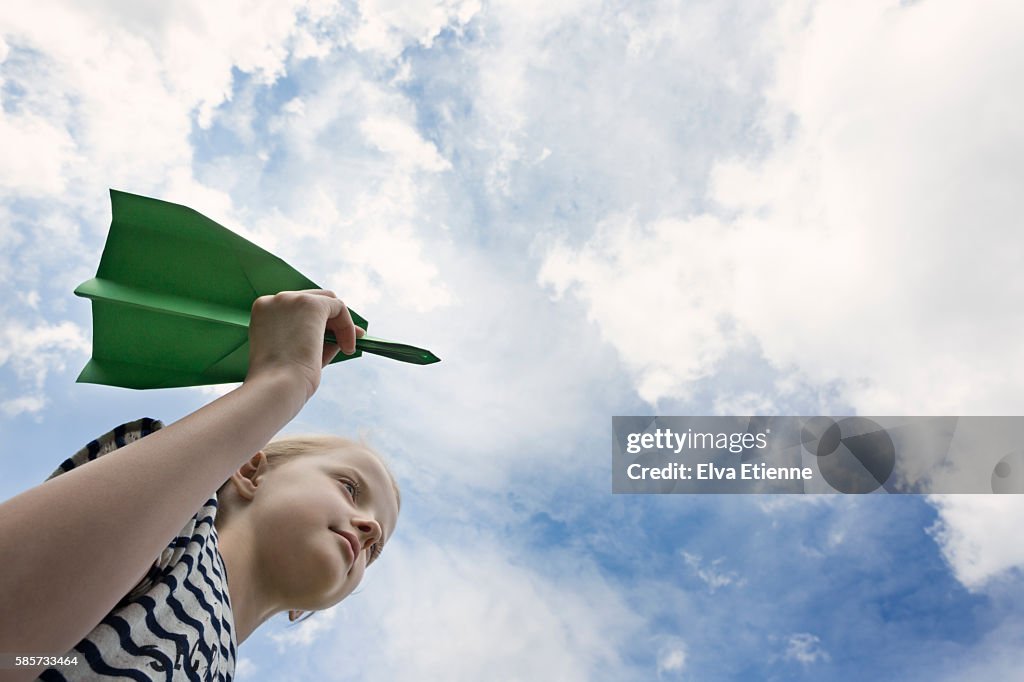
(172, 296)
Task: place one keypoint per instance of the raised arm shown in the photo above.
(73, 546)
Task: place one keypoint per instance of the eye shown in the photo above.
(375, 551)
(351, 486)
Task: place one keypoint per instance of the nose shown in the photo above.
(369, 532)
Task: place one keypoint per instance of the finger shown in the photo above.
(318, 292)
(340, 322)
(360, 332)
(330, 350)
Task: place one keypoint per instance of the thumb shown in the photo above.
(332, 349)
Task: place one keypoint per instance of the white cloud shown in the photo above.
(306, 632)
(873, 244)
(670, 286)
(747, 402)
(397, 138)
(384, 254)
(978, 536)
(32, 352)
(36, 153)
(245, 668)
(710, 573)
(69, 93)
(355, 189)
(122, 89)
(470, 609)
(389, 26)
(671, 659)
(894, 170)
(30, 299)
(22, 404)
(805, 648)
(515, 387)
(770, 504)
(619, 95)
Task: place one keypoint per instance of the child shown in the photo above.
(291, 527)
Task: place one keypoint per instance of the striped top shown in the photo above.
(176, 623)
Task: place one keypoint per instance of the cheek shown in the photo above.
(304, 507)
(307, 564)
(297, 550)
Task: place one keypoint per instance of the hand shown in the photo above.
(286, 334)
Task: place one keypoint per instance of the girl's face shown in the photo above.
(319, 520)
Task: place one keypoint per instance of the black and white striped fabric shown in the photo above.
(176, 624)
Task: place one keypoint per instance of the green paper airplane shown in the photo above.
(172, 296)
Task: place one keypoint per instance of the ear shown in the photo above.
(294, 615)
(246, 479)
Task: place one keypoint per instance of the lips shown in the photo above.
(352, 542)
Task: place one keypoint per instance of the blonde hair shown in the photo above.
(282, 449)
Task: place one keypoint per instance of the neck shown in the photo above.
(251, 603)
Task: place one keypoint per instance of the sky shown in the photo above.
(790, 207)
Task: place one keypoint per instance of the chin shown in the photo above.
(322, 573)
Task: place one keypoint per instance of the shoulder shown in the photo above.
(116, 438)
(176, 624)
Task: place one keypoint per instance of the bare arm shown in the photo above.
(73, 546)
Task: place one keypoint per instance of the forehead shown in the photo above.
(378, 488)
